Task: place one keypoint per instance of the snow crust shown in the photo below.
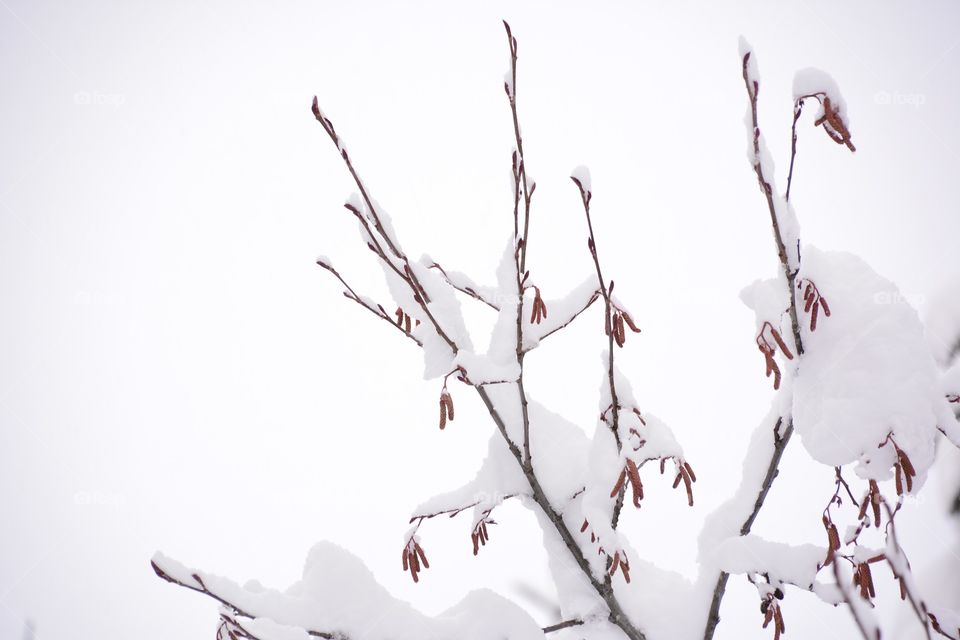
(784, 563)
(338, 594)
(867, 373)
(812, 81)
(582, 175)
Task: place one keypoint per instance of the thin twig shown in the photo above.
(585, 197)
(752, 89)
(918, 606)
(592, 299)
(407, 274)
(781, 440)
(617, 615)
(377, 311)
(236, 610)
(527, 190)
(566, 624)
(848, 595)
(473, 293)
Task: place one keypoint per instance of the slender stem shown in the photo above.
(781, 440)
(617, 615)
(573, 317)
(771, 206)
(848, 596)
(604, 589)
(527, 191)
(797, 108)
(408, 275)
(236, 610)
(566, 624)
(473, 293)
(585, 197)
(780, 444)
(379, 312)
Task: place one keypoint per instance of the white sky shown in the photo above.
(179, 375)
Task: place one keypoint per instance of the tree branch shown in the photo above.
(234, 608)
(585, 196)
(378, 311)
(858, 618)
(469, 290)
(407, 274)
(566, 624)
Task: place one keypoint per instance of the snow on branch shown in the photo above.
(339, 599)
(868, 376)
(560, 313)
(852, 374)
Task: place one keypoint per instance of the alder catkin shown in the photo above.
(781, 344)
(619, 485)
(634, 474)
(449, 401)
(423, 556)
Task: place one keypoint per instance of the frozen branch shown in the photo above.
(369, 305)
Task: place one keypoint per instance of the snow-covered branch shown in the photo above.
(852, 375)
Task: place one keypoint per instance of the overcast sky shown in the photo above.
(178, 374)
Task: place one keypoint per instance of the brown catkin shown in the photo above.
(826, 307)
(687, 484)
(781, 344)
(813, 316)
(634, 474)
(863, 507)
(875, 501)
(423, 556)
(834, 537)
(449, 400)
(905, 461)
(615, 564)
(619, 485)
(443, 413)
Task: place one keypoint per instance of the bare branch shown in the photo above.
(377, 310)
(585, 196)
(469, 289)
(566, 624)
(406, 274)
(863, 625)
(232, 607)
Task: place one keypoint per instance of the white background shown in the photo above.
(177, 374)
